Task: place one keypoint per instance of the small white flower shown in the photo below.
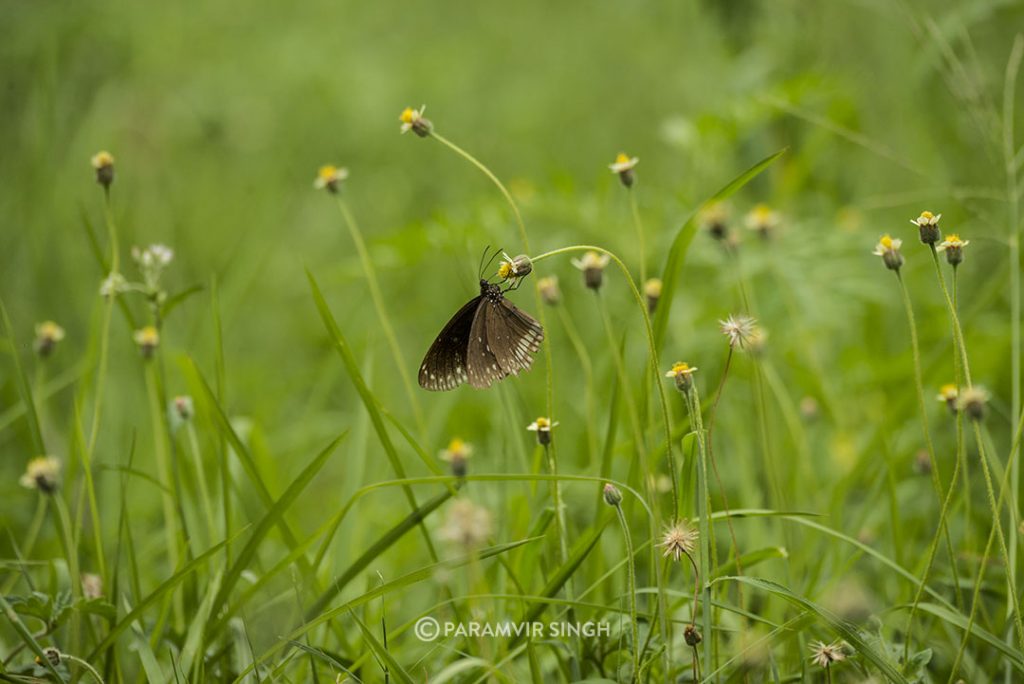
(926, 218)
(112, 285)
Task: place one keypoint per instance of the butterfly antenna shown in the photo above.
(480, 268)
(490, 261)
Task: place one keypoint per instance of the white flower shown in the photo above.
(112, 285)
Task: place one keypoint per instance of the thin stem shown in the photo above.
(67, 537)
(382, 315)
(704, 511)
(204, 490)
(943, 528)
(84, 665)
(631, 589)
(638, 225)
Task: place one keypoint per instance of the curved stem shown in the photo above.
(631, 574)
(638, 225)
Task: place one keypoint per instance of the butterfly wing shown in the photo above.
(481, 363)
(444, 366)
(513, 336)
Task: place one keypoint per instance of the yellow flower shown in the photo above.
(512, 268)
(330, 177)
(953, 246)
(714, 218)
(542, 426)
(456, 454)
(48, 334)
(926, 218)
(652, 292)
(42, 473)
(681, 372)
(592, 264)
(762, 219)
(928, 227)
(413, 120)
(623, 162)
(889, 249)
(103, 164)
(947, 392)
(148, 339)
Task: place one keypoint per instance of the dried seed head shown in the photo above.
(103, 164)
(467, 524)
(42, 473)
(679, 540)
(824, 655)
(612, 495)
(889, 249)
(549, 292)
(739, 329)
(92, 585)
(928, 227)
(692, 635)
(48, 334)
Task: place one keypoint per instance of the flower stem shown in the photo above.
(943, 528)
(378, 302)
(638, 225)
(704, 512)
(631, 590)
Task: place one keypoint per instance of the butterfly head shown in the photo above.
(490, 290)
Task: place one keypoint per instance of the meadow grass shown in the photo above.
(726, 464)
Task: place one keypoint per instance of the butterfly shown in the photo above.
(486, 340)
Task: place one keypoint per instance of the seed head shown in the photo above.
(467, 524)
(953, 246)
(739, 329)
(42, 473)
(928, 227)
(679, 540)
(623, 166)
(592, 264)
(329, 177)
(103, 165)
(92, 585)
(889, 249)
(413, 120)
(692, 635)
(824, 655)
(48, 334)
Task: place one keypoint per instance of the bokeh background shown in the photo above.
(218, 115)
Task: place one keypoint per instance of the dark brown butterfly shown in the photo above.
(486, 340)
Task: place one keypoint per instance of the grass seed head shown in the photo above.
(825, 655)
(739, 329)
(679, 540)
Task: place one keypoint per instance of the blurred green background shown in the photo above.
(218, 115)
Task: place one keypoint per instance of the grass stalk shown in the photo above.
(631, 590)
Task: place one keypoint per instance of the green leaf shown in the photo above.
(957, 619)
(26, 636)
(177, 299)
(379, 547)
(843, 628)
(272, 518)
(749, 560)
(683, 238)
(394, 668)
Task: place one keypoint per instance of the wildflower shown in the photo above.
(592, 264)
(152, 261)
(148, 339)
(922, 462)
(42, 473)
(953, 246)
(52, 654)
(973, 402)
(679, 540)
(92, 585)
(824, 655)
(413, 120)
(103, 164)
(112, 285)
(713, 218)
(612, 495)
(542, 426)
(928, 227)
(692, 636)
(739, 329)
(456, 455)
(513, 268)
(549, 292)
(467, 524)
(329, 177)
(681, 372)
(652, 291)
(889, 249)
(48, 334)
(623, 166)
(949, 394)
(762, 219)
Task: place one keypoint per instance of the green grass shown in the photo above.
(295, 519)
